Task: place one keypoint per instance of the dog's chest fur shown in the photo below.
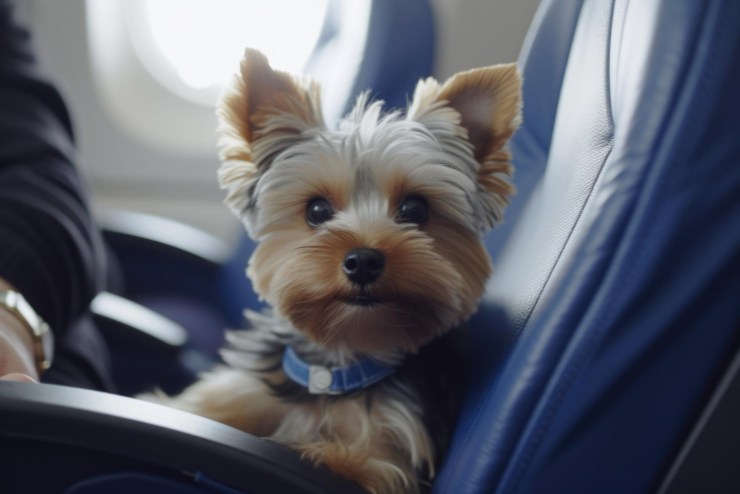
(416, 405)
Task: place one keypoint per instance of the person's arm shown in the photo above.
(50, 250)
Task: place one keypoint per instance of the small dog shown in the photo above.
(370, 254)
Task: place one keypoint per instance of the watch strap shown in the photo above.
(43, 339)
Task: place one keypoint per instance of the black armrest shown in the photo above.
(91, 434)
(121, 318)
(156, 254)
(147, 349)
(160, 261)
(170, 237)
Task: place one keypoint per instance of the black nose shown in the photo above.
(363, 266)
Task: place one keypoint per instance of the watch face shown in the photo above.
(42, 335)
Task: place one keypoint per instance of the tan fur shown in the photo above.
(231, 397)
(469, 257)
(258, 92)
(487, 99)
(368, 445)
(378, 446)
(277, 157)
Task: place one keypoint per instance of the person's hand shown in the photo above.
(18, 377)
(17, 361)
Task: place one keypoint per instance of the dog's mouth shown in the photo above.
(364, 300)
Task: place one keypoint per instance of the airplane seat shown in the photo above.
(613, 310)
(608, 335)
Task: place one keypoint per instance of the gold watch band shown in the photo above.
(43, 339)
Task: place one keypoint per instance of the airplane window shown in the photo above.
(193, 46)
(160, 65)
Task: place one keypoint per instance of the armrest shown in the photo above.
(171, 238)
(132, 321)
(147, 349)
(159, 256)
(139, 435)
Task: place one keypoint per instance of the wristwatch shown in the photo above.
(43, 339)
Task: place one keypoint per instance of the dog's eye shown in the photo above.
(319, 211)
(413, 209)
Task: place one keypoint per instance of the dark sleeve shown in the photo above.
(50, 248)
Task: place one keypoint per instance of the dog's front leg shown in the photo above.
(376, 448)
(376, 467)
(232, 397)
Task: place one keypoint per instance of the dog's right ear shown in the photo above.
(262, 113)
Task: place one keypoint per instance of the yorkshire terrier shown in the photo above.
(370, 255)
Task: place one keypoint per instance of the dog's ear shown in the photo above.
(262, 113)
(487, 109)
(488, 101)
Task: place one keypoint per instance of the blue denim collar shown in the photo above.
(333, 380)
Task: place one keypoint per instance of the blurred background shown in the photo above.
(141, 78)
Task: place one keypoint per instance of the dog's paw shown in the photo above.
(376, 475)
(155, 396)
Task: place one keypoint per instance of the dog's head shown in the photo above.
(369, 235)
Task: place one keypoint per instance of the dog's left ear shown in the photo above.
(487, 108)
